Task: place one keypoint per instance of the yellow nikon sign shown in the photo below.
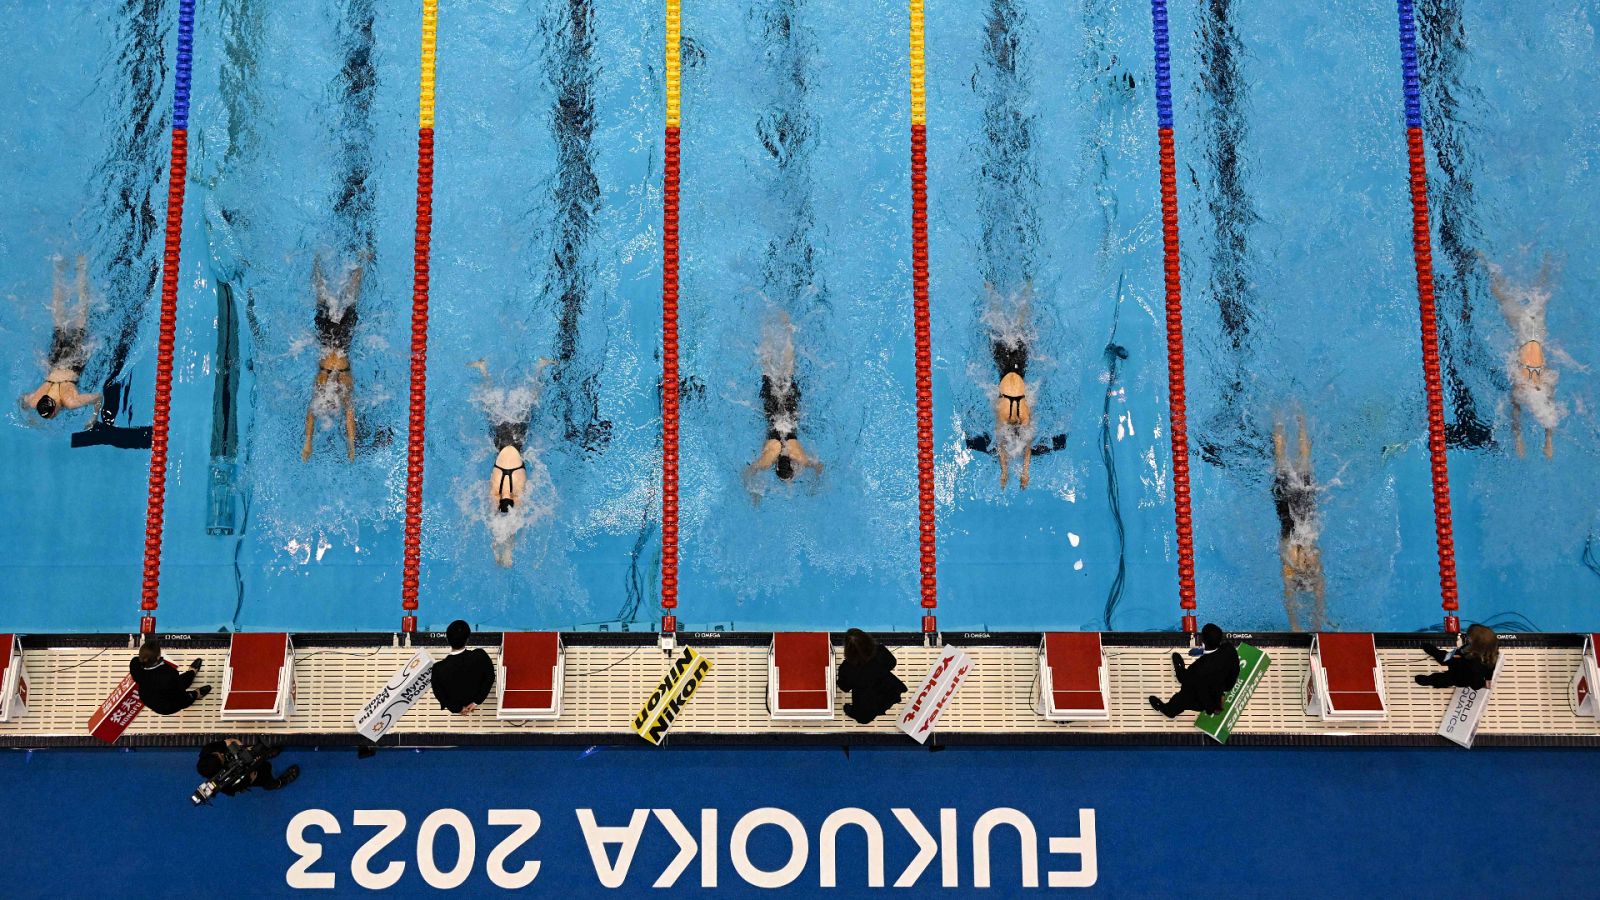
(679, 684)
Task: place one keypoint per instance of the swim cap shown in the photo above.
(46, 407)
(785, 467)
(506, 503)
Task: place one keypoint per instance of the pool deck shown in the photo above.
(608, 677)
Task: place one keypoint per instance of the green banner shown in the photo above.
(1252, 665)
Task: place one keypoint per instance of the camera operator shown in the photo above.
(235, 767)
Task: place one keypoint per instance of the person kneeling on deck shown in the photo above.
(868, 674)
(1206, 681)
(162, 687)
(463, 679)
(1470, 666)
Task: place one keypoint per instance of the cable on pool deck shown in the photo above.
(919, 293)
(1178, 417)
(417, 416)
(155, 510)
(669, 328)
(1422, 250)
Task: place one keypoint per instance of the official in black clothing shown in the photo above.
(868, 674)
(162, 687)
(214, 762)
(1206, 681)
(1471, 666)
(463, 679)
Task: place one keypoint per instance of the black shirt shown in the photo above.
(463, 678)
(873, 685)
(161, 686)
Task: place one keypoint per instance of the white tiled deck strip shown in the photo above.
(605, 685)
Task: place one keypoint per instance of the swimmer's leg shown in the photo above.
(1516, 427)
(58, 294)
(1549, 444)
(1289, 604)
(1319, 612)
(1004, 468)
(80, 316)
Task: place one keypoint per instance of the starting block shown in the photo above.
(258, 684)
(533, 665)
(800, 676)
(1345, 683)
(1073, 683)
(1585, 682)
(13, 679)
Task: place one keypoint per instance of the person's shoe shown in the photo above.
(1155, 704)
(1177, 665)
(847, 710)
(1420, 679)
(196, 664)
(288, 776)
(202, 691)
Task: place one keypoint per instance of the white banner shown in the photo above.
(934, 693)
(403, 689)
(1466, 708)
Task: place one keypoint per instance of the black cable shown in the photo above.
(1115, 354)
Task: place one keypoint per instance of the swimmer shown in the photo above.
(508, 482)
(69, 348)
(780, 401)
(1013, 413)
(1533, 382)
(334, 390)
(1294, 493)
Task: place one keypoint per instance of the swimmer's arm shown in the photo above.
(769, 455)
(311, 416)
(1027, 458)
(1566, 359)
(29, 401)
(77, 400)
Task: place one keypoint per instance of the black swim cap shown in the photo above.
(46, 407)
(506, 503)
(785, 467)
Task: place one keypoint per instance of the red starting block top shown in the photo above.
(804, 660)
(255, 663)
(7, 641)
(1074, 659)
(528, 660)
(1351, 662)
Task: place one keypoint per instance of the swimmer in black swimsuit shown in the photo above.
(1013, 414)
(334, 390)
(508, 480)
(69, 348)
(1294, 494)
(782, 451)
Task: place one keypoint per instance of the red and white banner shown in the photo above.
(935, 692)
(117, 712)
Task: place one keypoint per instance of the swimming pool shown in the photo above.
(547, 268)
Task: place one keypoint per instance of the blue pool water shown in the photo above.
(1298, 280)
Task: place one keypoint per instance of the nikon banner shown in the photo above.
(675, 689)
(1252, 665)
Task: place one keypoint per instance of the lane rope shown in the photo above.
(1178, 402)
(177, 169)
(1422, 252)
(927, 533)
(410, 579)
(669, 326)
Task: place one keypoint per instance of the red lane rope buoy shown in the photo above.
(417, 413)
(177, 170)
(669, 327)
(1422, 252)
(1178, 424)
(927, 532)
